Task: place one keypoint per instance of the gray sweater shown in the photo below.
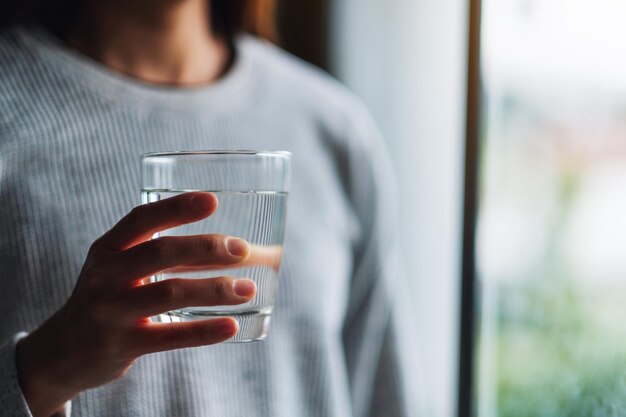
(71, 133)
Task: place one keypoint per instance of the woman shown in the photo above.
(88, 86)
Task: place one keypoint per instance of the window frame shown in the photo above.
(467, 319)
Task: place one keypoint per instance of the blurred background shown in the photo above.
(551, 236)
(407, 60)
(548, 263)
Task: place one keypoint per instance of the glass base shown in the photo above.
(253, 325)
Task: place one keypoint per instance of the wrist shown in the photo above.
(44, 391)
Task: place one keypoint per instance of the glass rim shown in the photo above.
(238, 152)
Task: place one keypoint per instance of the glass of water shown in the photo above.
(252, 188)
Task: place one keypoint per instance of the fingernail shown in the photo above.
(237, 247)
(201, 202)
(244, 287)
(228, 327)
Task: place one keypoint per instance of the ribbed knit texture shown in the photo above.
(71, 134)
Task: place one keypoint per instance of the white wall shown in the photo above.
(407, 60)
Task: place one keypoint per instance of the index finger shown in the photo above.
(142, 222)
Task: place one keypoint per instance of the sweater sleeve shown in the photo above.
(379, 332)
(12, 402)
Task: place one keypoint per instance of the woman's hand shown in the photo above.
(104, 326)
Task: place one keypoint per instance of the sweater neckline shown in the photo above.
(118, 86)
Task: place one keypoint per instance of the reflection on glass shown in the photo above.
(552, 217)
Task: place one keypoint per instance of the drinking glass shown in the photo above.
(252, 188)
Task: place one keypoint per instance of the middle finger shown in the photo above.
(154, 256)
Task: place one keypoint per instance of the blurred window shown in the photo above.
(551, 241)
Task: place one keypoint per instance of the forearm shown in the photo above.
(40, 384)
(12, 400)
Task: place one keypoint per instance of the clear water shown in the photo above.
(258, 217)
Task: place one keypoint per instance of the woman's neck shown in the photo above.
(160, 41)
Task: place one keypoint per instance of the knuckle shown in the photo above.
(95, 248)
(219, 288)
(211, 243)
(169, 291)
(98, 249)
(137, 212)
(90, 271)
(158, 248)
(170, 337)
(95, 270)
